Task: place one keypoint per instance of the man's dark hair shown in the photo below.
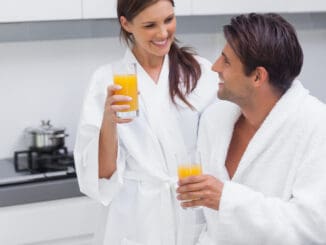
(266, 40)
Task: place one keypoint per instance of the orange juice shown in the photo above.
(195, 169)
(186, 170)
(129, 88)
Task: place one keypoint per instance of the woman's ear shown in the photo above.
(125, 24)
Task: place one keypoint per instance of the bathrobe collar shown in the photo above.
(160, 118)
(287, 105)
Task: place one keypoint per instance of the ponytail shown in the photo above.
(184, 73)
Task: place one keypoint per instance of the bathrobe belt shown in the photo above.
(166, 187)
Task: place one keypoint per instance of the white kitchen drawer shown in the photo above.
(62, 222)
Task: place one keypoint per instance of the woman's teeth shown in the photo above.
(160, 43)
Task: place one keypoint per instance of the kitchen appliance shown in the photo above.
(46, 137)
(40, 162)
(30, 166)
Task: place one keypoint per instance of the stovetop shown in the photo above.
(33, 166)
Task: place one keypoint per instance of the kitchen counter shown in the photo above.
(36, 190)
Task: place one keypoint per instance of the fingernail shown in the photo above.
(118, 87)
(129, 98)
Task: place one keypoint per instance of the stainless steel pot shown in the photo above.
(46, 137)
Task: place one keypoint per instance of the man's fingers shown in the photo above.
(191, 187)
(190, 196)
(192, 179)
(192, 203)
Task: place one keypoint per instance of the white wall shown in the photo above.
(47, 79)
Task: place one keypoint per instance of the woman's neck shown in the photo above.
(151, 64)
(148, 60)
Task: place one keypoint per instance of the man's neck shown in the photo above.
(255, 113)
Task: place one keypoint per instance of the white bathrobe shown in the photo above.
(141, 193)
(278, 193)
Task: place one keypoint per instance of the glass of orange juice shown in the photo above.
(189, 165)
(125, 75)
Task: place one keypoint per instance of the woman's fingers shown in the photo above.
(115, 103)
(117, 108)
(112, 88)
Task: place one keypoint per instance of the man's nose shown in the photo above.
(217, 66)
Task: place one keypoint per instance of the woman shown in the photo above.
(129, 165)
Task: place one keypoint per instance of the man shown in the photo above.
(263, 145)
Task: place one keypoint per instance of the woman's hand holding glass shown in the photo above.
(112, 105)
(122, 96)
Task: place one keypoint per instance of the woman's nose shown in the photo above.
(163, 32)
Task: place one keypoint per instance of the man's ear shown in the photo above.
(125, 24)
(260, 75)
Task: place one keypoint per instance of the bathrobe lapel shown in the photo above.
(159, 117)
(274, 122)
(223, 138)
(263, 138)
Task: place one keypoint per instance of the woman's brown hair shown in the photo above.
(183, 67)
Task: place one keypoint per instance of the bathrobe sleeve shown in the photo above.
(87, 140)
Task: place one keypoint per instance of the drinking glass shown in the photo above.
(125, 75)
(189, 165)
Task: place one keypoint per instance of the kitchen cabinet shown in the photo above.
(43, 10)
(60, 222)
(306, 6)
(107, 9)
(214, 7)
(96, 9)
(37, 10)
(183, 7)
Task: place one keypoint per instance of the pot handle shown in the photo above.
(59, 136)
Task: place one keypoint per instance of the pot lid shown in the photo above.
(45, 128)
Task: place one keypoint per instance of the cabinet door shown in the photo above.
(183, 7)
(36, 10)
(306, 6)
(61, 222)
(94, 9)
(212, 7)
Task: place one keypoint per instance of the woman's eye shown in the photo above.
(168, 20)
(149, 26)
